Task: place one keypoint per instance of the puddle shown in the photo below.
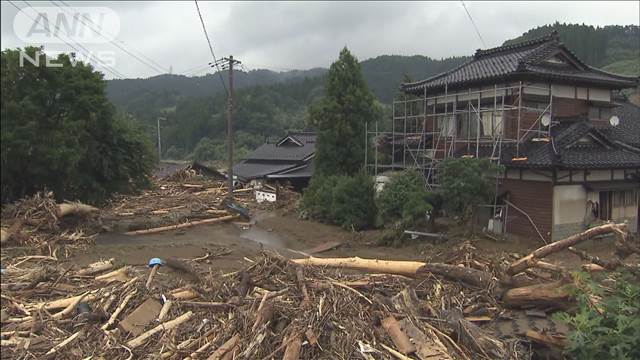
(267, 236)
(263, 236)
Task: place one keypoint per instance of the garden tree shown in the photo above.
(339, 118)
(404, 199)
(60, 133)
(465, 183)
(404, 203)
(347, 201)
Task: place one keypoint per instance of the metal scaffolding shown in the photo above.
(427, 129)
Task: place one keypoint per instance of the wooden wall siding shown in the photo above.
(570, 107)
(536, 199)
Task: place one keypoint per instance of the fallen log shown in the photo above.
(225, 348)
(605, 264)
(474, 337)
(407, 268)
(399, 338)
(546, 339)
(468, 275)
(181, 226)
(75, 208)
(530, 260)
(65, 342)
(4, 236)
(97, 267)
(292, 351)
(138, 341)
(553, 295)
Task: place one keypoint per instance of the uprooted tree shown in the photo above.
(60, 133)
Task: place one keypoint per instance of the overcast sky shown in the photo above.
(301, 35)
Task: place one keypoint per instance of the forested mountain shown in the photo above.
(613, 48)
(270, 103)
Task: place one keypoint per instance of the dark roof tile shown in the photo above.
(526, 57)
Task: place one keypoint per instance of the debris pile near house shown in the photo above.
(39, 226)
(303, 308)
(273, 308)
(191, 196)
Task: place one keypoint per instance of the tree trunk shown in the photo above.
(552, 295)
(468, 275)
(407, 268)
(530, 260)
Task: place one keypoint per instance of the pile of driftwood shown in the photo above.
(39, 225)
(274, 308)
(183, 200)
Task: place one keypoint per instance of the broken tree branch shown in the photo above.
(168, 325)
(181, 226)
(529, 260)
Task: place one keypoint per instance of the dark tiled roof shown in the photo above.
(271, 158)
(251, 170)
(568, 151)
(271, 151)
(525, 58)
(628, 131)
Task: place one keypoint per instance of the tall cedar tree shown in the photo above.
(340, 117)
(60, 133)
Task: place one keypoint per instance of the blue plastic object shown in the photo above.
(155, 261)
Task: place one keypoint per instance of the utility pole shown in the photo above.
(227, 63)
(159, 143)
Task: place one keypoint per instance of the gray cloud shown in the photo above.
(299, 35)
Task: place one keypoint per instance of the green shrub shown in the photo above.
(612, 332)
(353, 204)
(341, 200)
(318, 197)
(174, 153)
(205, 150)
(404, 199)
(465, 183)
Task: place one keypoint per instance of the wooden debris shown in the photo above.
(228, 346)
(330, 245)
(407, 268)
(542, 252)
(182, 226)
(547, 339)
(165, 326)
(76, 208)
(97, 267)
(292, 350)
(551, 295)
(400, 339)
(139, 318)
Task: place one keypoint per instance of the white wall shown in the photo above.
(569, 204)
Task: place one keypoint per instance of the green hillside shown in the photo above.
(612, 48)
(270, 103)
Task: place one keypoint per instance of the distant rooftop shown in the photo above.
(542, 58)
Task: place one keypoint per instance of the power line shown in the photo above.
(87, 53)
(113, 72)
(473, 23)
(206, 35)
(122, 42)
(155, 68)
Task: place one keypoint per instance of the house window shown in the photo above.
(599, 113)
(446, 125)
(612, 203)
(491, 124)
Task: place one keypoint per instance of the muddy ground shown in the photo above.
(232, 243)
